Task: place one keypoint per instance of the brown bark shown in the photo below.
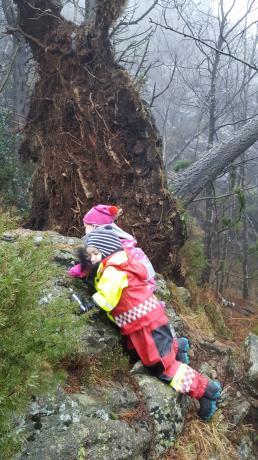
(91, 137)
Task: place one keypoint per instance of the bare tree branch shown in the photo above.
(131, 23)
(222, 196)
(199, 40)
(10, 69)
(155, 96)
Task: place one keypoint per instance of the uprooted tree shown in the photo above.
(93, 140)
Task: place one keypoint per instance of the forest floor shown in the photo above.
(241, 319)
(200, 440)
(220, 438)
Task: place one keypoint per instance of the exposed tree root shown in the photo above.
(93, 139)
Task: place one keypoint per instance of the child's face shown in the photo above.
(89, 228)
(94, 254)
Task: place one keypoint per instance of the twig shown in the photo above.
(199, 40)
(132, 23)
(221, 196)
(245, 319)
(11, 30)
(155, 96)
(10, 69)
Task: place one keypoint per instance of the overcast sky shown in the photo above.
(238, 9)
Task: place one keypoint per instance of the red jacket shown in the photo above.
(122, 290)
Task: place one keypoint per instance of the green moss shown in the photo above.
(113, 416)
(254, 329)
(81, 454)
(162, 290)
(194, 258)
(180, 165)
(193, 254)
(217, 321)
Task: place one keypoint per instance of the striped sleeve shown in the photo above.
(109, 288)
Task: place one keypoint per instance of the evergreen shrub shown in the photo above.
(33, 337)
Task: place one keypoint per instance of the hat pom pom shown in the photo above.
(113, 210)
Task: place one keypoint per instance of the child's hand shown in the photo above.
(84, 308)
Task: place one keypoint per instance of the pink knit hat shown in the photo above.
(101, 215)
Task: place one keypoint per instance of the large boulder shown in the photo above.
(251, 376)
(137, 419)
(132, 417)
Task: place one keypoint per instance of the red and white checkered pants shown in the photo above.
(157, 350)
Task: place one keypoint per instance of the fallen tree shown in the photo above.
(192, 181)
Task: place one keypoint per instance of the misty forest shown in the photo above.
(149, 106)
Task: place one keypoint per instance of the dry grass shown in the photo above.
(198, 324)
(196, 321)
(139, 414)
(204, 318)
(206, 440)
(92, 370)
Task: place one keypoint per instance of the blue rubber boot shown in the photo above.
(183, 349)
(208, 403)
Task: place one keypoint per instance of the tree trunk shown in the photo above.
(91, 137)
(245, 243)
(228, 234)
(209, 221)
(191, 181)
(20, 88)
(90, 9)
(19, 98)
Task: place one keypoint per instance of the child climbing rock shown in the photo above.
(101, 215)
(122, 292)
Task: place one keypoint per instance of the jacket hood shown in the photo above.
(123, 260)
